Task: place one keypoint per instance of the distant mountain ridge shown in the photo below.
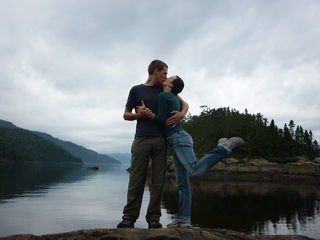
(125, 158)
(7, 124)
(20, 145)
(87, 155)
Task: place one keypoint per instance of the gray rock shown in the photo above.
(153, 234)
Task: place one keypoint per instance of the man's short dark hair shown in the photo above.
(156, 64)
(178, 85)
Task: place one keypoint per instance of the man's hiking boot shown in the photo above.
(154, 224)
(126, 223)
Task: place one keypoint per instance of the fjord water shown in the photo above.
(51, 198)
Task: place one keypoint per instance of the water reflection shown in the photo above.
(94, 199)
(250, 207)
(50, 198)
(29, 180)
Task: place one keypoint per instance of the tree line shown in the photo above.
(263, 138)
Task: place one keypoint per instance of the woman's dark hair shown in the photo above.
(178, 85)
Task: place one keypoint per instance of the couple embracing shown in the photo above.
(159, 110)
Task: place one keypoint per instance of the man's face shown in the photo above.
(162, 75)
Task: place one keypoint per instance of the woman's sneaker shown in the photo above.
(231, 143)
(176, 224)
(222, 140)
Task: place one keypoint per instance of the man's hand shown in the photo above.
(143, 112)
(175, 119)
(178, 116)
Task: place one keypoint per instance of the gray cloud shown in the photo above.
(66, 67)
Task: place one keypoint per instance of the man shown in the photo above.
(149, 141)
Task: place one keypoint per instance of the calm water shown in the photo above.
(41, 199)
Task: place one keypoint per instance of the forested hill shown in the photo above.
(87, 155)
(76, 151)
(18, 144)
(263, 138)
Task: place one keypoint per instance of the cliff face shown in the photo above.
(154, 234)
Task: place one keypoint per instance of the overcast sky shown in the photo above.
(66, 66)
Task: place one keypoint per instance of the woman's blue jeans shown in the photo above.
(185, 162)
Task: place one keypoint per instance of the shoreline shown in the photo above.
(302, 171)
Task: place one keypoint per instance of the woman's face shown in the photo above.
(168, 81)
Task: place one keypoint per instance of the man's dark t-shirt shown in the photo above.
(149, 94)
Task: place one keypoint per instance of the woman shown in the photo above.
(181, 142)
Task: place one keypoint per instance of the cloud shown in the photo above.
(66, 67)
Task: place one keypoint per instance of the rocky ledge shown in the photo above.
(154, 234)
(303, 171)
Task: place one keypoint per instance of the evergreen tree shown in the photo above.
(262, 139)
